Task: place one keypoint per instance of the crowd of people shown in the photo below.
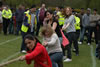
(32, 22)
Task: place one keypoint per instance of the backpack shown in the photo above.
(41, 14)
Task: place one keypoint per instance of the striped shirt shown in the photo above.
(71, 27)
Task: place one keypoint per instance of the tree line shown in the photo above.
(52, 3)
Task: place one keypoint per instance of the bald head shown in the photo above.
(43, 5)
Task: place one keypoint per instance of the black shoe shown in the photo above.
(77, 54)
(5, 33)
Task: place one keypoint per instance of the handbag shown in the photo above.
(65, 41)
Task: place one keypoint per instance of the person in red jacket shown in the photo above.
(36, 52)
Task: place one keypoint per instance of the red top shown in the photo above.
(40, 57)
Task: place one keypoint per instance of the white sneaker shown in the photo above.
(89, 44)
(74, 50)
(67, 60)
(79, 42)
(23, 51)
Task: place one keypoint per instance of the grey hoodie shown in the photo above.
(85, 20)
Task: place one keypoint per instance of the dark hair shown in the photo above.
(50, 11)
(95, 9)
(31, 37)
(33, 6)
(82, 8)
(61, 7)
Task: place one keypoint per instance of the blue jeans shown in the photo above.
(56, 58)
(82, 33)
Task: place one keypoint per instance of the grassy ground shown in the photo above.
(10, 47)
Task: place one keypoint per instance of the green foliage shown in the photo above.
(27, 3)
(73, 3)
(95, 4)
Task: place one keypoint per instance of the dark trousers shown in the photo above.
(98, 50)
(23, 46)
(98, 32)
(38, 28)
(77, 34)
(11, 27)
(72, 39)
(5, 25)
(93, 29)
(77, 37)
(0, 27)
(18, 28)
(39, 24)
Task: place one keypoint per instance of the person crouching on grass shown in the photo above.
(36, 52)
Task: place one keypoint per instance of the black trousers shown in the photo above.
(5, 25)
(72, 39)
(93, 29)
(38, 28)
(39, 24)
(19, 24)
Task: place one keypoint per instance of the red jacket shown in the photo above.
(40, 57)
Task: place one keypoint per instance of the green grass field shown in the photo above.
(10, 49)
